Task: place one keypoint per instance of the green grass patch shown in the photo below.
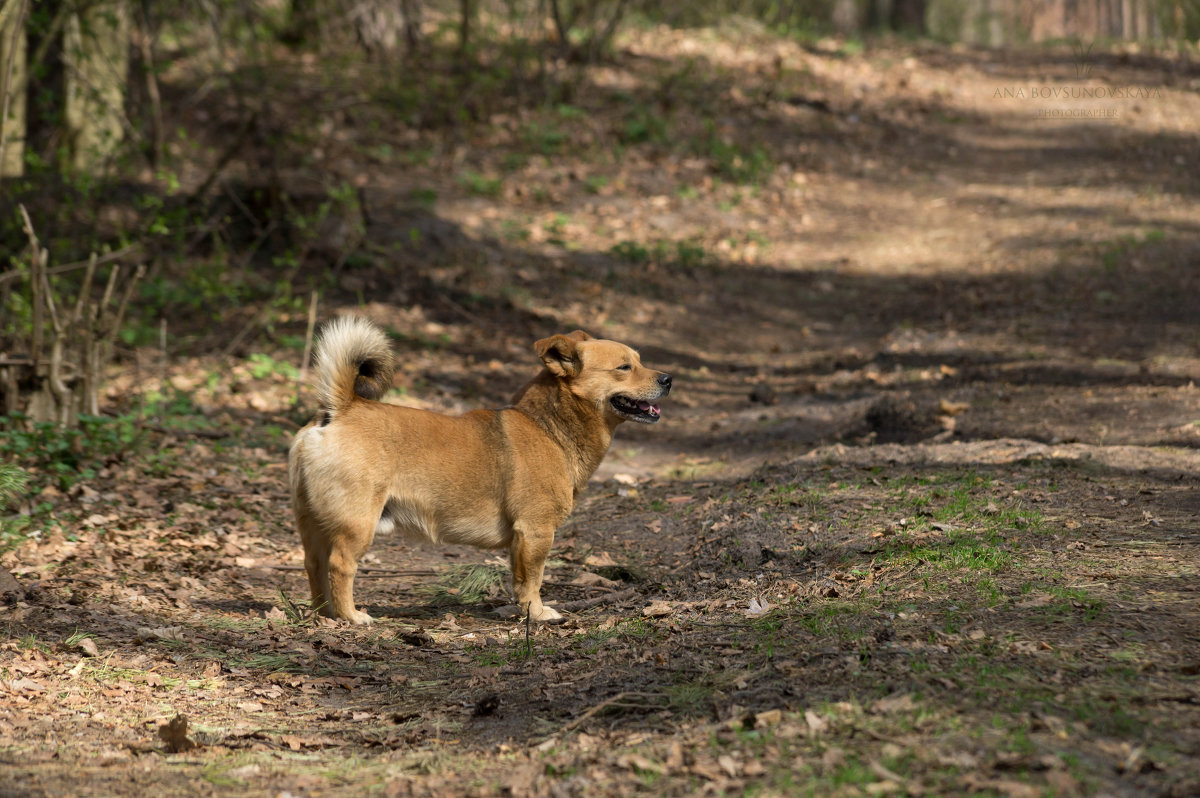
(51, 454)
(468, 583)
(1107, 716)
(959, 550)
(644, 127)
(1075, 602)
(545, 138)
(480, 185)
(262, 366)
(733, 161)
(830, 618)
(13, 481)
(685, 254)
(424, 197)
(593, 640)
(691, 699)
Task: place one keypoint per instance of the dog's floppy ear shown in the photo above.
(560, 353)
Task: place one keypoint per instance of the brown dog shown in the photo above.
(492, 478)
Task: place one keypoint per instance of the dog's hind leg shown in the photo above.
(527, 555)
(350, 545)
(316, 564)
(316, 547)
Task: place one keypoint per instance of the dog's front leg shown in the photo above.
(527, 554)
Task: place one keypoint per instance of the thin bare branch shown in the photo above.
(308, 342)
(101, 260)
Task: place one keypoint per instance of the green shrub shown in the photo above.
(62, 455)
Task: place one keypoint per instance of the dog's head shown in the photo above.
(607, 373)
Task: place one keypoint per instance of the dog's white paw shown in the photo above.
(359, 618)
(545, 614)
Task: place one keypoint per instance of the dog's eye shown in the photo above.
(624, 367)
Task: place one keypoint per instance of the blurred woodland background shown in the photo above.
(142, 140)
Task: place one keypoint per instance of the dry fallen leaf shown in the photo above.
(589, 579)
(674, 756)
(9, 586)
(174, 734)
(21, 686)
(1062, 782)
(639, 763)
(706, 768)
(884, 773)
(816, 723)
(170, 633)
(952, 408)
(770, 717)
(658, 609)
(758, 607)
(893, 703)
(832, 759)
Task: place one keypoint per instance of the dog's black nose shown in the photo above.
(665, 381)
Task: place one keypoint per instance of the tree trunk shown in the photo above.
(12, 88)
(96, 55)
(466, 11)
(302, 24)
(847, 17)
(908, 16)
(411, 9)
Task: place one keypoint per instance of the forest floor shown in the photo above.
(920, 517)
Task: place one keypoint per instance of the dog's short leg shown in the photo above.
(527, 555)
(316, 558)
(343, 565)
(316, 563)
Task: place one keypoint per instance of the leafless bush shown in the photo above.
(53, 353)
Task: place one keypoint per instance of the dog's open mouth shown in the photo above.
(636, 409)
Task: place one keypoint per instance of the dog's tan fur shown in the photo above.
(497, 479)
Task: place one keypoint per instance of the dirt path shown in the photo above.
(920, 520)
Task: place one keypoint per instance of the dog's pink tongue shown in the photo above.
(646, 407)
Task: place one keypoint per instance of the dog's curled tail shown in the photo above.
(353, 358)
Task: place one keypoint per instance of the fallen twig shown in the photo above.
(584, 604)
(369, 573)
(603, 705)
